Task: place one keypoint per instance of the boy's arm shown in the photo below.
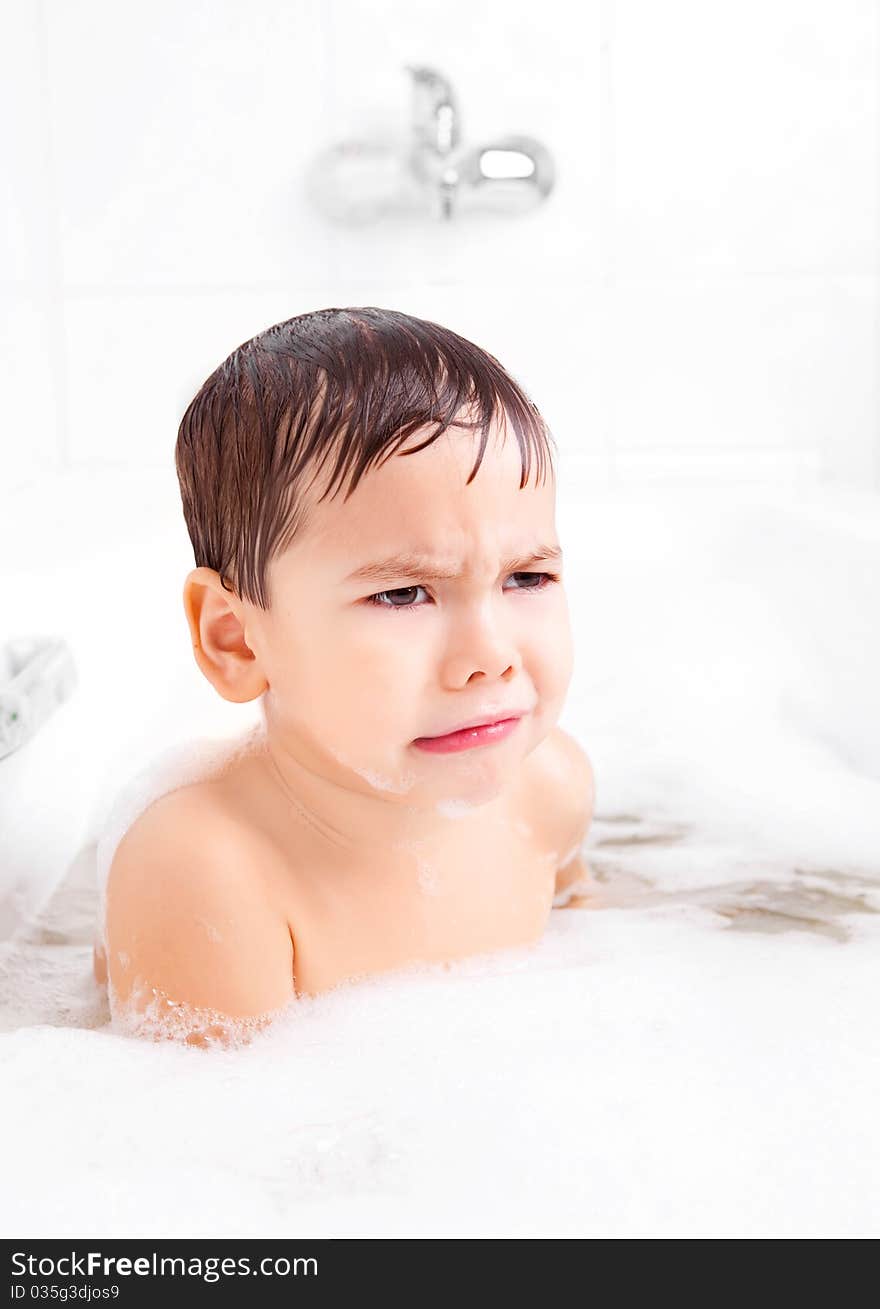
(565, 790)
(195, 949)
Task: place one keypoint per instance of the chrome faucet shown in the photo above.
(432, 173)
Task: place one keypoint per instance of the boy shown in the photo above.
(372, 561)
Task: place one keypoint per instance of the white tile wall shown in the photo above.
(32, 417)
(697, 301)
(745, 137)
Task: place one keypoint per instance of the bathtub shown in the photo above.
(691, 1050)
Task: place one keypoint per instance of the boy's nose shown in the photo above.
(485, 649)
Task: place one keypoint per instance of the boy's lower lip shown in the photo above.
(467, 739)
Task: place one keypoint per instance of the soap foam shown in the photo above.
(152, 1013)
(426, 876)
(378, 781)
(381, 782)
(455, 808)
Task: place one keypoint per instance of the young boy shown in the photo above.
(373, 561)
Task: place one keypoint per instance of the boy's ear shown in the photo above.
(216, 624)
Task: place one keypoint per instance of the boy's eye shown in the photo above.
(380, 598)
(542, 580)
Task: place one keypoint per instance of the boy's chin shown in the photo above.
(461, 781)
(470, 791)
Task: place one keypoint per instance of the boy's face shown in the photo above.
(354, 682)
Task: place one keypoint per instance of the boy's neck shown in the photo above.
(355, 821)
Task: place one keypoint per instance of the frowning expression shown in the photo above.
(419, 604)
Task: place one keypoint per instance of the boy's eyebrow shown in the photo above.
(418, 563)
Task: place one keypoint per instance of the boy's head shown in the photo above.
(324, 446)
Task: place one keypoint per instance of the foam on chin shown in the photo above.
(378, 781)
(456, 807)
(382, 783)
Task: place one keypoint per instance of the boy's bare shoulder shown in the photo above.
(559, 790)
(188, 820)
(190, 913)
(185, 804)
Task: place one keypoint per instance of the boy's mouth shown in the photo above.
(473, 734)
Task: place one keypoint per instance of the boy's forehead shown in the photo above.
(426, 495)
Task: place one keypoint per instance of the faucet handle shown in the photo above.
(436, 125)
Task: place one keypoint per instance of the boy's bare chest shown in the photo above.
(421, 903)
(487, 885)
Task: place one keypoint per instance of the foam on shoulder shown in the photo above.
(153, 1014)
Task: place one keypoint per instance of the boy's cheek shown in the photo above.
(556, 654)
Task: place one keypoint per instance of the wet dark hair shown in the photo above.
(352, 383)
